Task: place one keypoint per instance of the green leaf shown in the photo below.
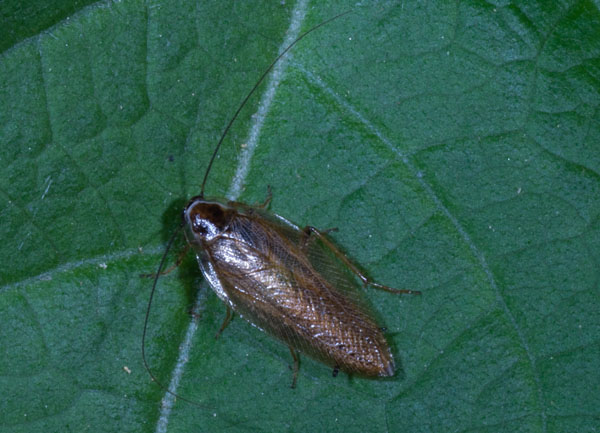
(454, 145)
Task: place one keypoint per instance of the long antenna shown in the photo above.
(156, 276)
(260, 80)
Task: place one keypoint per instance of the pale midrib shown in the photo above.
(235, 189)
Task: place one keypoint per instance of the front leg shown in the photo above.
(267, 201)
(226, 321)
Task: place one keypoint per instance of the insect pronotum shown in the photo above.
(290, 282)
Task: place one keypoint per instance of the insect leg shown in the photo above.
(171, 268)
(265, 203)
(226, 321)
(296, 366)
(309, 230)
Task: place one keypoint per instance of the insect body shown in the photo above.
(272, 273)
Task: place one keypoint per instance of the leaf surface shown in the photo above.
(454, 146)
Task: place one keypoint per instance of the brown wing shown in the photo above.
(298, 293)
(321, 258)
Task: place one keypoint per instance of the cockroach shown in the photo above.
(290, 282)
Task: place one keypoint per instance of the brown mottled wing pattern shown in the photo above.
(268, 271)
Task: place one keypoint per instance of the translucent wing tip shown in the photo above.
(389, 370)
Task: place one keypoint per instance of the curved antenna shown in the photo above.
(158, 272)
(260, 80)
